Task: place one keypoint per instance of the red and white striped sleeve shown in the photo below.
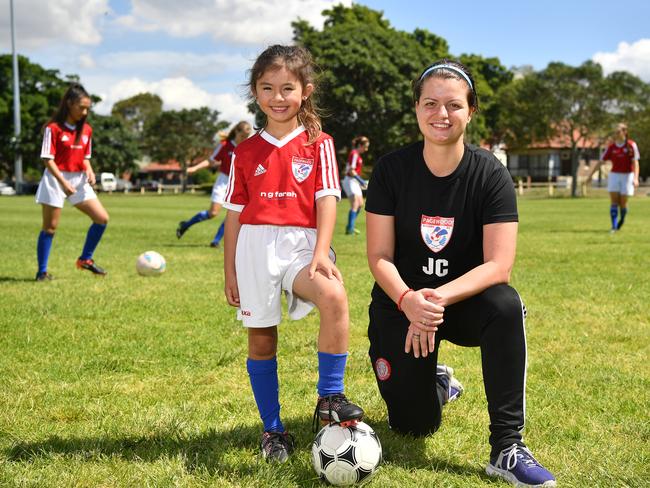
(48, 149)
(236, 192)
(327, 171)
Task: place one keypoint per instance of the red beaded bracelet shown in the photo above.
(401, 297)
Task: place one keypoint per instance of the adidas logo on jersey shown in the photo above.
(259, 170)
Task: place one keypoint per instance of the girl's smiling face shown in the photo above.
(443, 110)
(279, 95)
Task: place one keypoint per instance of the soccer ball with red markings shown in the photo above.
(344, 456)
(150, 263)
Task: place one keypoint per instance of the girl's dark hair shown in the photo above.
(238, 127)
(298, 61)
(447, 72)
(73, 94)
(360, 141)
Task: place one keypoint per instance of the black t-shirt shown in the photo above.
(439, 220)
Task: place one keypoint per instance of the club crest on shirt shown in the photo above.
(301, 168)
(436, 231)
(84, 138)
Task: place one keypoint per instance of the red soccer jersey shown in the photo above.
(59, 144)
(354, 162)
(223, 154)
(277, 182)
(621, 156)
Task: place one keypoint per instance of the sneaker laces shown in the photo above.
(520, 453)
(336, 399)
(277, 442)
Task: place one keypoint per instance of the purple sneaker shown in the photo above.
(447, 382)
(517, 465)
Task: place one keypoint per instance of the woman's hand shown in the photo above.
(422, 309)
(231, 289)
(422, 342)
(67, 187)
(324, 265)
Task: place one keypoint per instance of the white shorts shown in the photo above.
(351, 187)
(622, 183)
(267, 261)
(219, 189)
(50, 193)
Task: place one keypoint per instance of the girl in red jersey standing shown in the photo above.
(69, 175)
(281, 202)
(352, 183)
(624, 175)
(220, 158)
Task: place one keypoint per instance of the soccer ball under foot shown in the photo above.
(344, 456)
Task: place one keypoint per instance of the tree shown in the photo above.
(181, 135)
(367, 68)
(137, 110)
(559, 100)
(115, 147)
(40, 92)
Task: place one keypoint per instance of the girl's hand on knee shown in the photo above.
(325, 266)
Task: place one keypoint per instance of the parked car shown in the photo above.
(107, 182)
(6, 189)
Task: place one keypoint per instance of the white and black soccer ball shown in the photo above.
(344, 456)
(150, 263)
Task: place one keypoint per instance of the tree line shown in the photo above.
(365, 89)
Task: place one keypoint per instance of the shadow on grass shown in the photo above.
(13, 279)
(219, 452)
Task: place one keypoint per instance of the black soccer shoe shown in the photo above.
(336, 409)
(182, 227)
(44, 276)
(276, 446)
(90, 265)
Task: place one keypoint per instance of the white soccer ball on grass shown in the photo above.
(150, 263)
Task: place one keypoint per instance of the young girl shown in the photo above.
(352, 183)
(281, 202)
(624, 176)
(68, 175)
(220, 158)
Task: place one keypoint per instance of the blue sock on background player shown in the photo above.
(43, 247)
(613, 213)
(331, 368)
(95, 232)
(263, 374)
(622, 218)
(352, 218)
(219, 235)
(199, 217)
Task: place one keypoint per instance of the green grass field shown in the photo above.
(129, 381)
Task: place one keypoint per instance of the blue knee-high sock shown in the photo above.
(43, 250)
(352, 218)
(220, 232)
(263, 375)
(622, 219)
(331, 368)
(95, 232)
(199, 217)
(613, 213)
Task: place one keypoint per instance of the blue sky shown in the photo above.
(196, 52)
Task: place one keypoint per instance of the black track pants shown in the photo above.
(492, 320)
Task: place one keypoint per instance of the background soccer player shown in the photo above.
(352, 182)
(219, 159)
(68, 176)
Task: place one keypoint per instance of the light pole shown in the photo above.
(18, 161)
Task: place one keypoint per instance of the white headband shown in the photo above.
(449, 67)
